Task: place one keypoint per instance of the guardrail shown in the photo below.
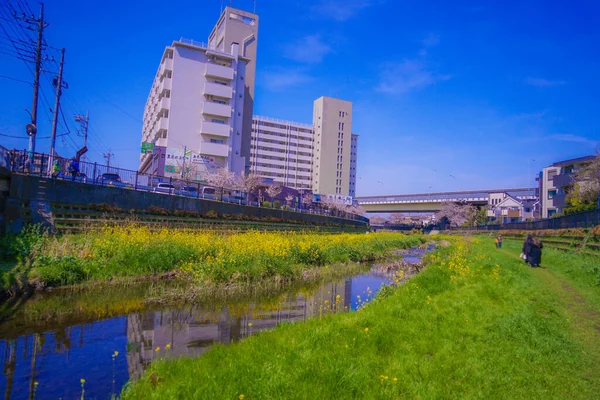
(18, 161)
(587, 219)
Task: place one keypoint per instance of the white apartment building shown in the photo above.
(282, 151)
(196, 103)
(555, 182)
(353, 161)
(332, 122)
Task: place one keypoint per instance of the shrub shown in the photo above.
(58, 271)
(276, 204)
(30, 239)
(266, 204)
(157, 210)
(211, 214)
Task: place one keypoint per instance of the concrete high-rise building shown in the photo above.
(196, 104)
(240, 27)
(353, 161)
(332, 122)
(282, 151)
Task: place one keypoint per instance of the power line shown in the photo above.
(120, 109)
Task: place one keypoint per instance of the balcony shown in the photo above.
(215, 89)
(164, 103)
(562, 180)
(166, 84)
(214, 149)
(221, 110)
(559, 200)
(163, 123)
(218, 71)
(212, 128)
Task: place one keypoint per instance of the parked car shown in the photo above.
(189, 191)
(165, 188)
(208, 193)
(108, 178)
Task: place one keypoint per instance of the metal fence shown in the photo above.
(19, 161)
(587, 219)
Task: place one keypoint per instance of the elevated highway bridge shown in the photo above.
(431, 202)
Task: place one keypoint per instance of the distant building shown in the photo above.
(512, 209)
(556, 181)
(332, 122)
(353, 162)
(198, 118)
(282, 151)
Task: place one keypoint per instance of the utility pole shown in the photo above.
(183, 162)
(32, 129)
(58, 84)
(84, 122)
(108, 157)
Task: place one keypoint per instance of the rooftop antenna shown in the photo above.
(221, 6)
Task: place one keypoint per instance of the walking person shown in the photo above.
(73, 168)
(535, 258)
(55, 169)
(496, 241)
(527, 249)
(499, 241)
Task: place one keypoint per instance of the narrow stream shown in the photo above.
(47, 358)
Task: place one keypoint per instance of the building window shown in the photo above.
(551, 194)
(551, 174)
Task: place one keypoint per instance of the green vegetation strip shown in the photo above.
(476, 323)
(203, 257)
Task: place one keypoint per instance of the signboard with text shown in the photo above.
(147, 148)
(196, 165)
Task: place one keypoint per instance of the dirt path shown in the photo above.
(583, 317)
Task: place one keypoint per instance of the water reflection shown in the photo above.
(50, 364)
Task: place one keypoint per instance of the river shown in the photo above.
(56, 339)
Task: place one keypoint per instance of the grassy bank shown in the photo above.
(202, 257)
(476, 323)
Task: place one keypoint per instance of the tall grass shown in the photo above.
(476, 323)
(207, 257)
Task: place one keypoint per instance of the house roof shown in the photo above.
(573, 161)
(507, 199)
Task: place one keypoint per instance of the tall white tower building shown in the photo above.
(332, 121)
(196, 104)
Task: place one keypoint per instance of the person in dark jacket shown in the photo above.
(527, 248)
(535, 253)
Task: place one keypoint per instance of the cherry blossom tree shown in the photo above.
(222, 179)
(377, 220)
(289, 198)
(458, 214)
(248, 183)
(273, 191)
(396, 218)
(307, 199)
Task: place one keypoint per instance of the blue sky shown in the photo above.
(447, 95)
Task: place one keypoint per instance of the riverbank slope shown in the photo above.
(476, 322)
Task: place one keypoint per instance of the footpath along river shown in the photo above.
(59, 338)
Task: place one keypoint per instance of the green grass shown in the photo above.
(476, 323)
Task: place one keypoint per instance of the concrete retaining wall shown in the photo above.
(25, 188)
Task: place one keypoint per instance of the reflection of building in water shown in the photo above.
(191, 331)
